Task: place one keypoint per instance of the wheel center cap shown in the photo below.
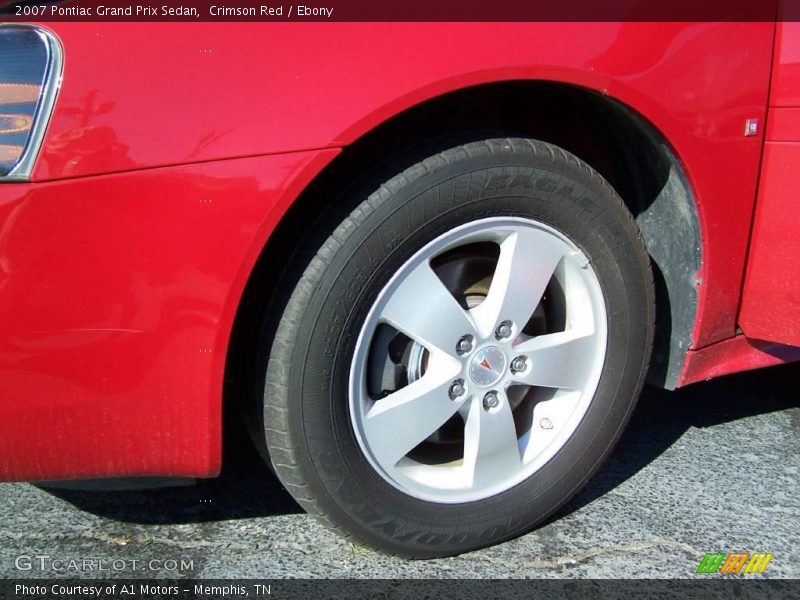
(487, 366)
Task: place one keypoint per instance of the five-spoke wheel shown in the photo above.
(478, 360)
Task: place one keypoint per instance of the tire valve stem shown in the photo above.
(546, 423)
(581, 259)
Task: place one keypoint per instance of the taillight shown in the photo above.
(30, 73)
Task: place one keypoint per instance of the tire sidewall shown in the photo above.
(407, 213)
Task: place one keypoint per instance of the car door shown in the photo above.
(770, 307)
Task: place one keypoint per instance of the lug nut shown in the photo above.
(503, 330)
(518, 364)
(546, 423)
(464, 345)
(491, 400)
(456, 389)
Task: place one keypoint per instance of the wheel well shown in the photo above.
(618, 143)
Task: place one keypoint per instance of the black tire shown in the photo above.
(310, 439)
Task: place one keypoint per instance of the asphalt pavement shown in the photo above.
(711, 468)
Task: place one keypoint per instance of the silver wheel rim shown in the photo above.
(515, 370)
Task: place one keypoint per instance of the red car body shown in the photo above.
(174, 151)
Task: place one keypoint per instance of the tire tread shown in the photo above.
(284, 451)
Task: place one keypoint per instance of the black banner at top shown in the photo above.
(399, 10)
